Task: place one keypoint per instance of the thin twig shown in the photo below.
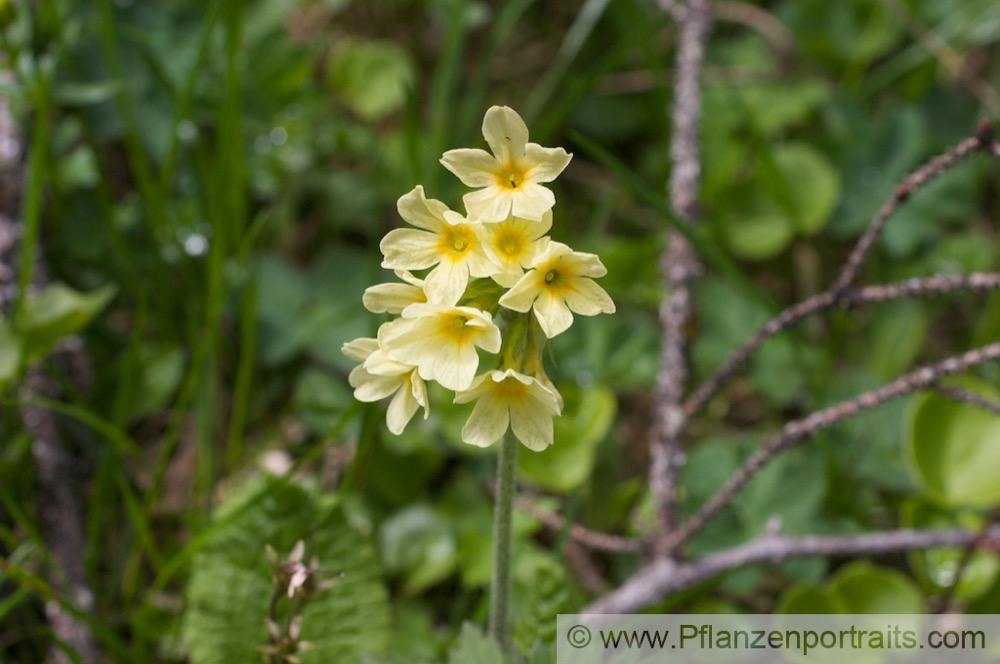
(969, 398)
(588, 538)
(981, 142)
(678, 266)
(665, 576)
(801, 429)
(938, 284)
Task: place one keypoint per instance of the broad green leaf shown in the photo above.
(372, 77)
(858, 588)
(954, 449)
(810, 599)
(897, 336)
(419, 546)
(936, 568)
(474, 647)
(757, 235)
(813, 184)
(868, 589)
(56, 312)
(568, 462)
(230, 587)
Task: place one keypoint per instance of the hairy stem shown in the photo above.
(502, 513)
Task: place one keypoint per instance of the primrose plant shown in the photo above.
(494, 281)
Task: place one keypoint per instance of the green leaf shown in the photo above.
(321, 399)
(897, 337)
(936, 568)
(954, 449)
(418, 545)
(867, 589)
(230, 587)
(473, 647)
(858, 588)
(372, 77)
(758, 235)
(808, 599)
(10, 353)
(813, 184)
(85, 94)
(568, 462)
(56, 312)
(162, 370)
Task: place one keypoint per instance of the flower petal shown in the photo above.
(588, 265)
(416, 209)
(480, 385)
(391, 298)
(409, 249)
(489, 205)
(454, 367)
(488, 421)
(369, 387)
(522, 295)
(474, 168)
(532, 201)
(531, 423)
(552, 314)
(446, 283)
(506, 133)
(380, 364)
(588, 299)
(359, 349)
(545, 164)
(401, 409)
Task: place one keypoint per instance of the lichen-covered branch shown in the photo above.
(799, 430)
(678, 265)
(665, 576)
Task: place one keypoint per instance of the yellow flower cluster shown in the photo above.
(494, 265)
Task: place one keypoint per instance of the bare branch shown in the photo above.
(588, 538)
(981, 142)
(665, 576)
(800, 429)
(969, 398)
(936, 285)
(678, 265)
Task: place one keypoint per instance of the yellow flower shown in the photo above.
(394, 297)
(448, 240)
(510, 178)
(508, 398)
(441, 341)
(557, 285)
(513, 244)
(380, 376)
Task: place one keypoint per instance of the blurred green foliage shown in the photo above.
(210, 181)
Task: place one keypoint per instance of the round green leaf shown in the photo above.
(759, 235)
(954, 449)
(807, 599)
(372, 77)
(812, 183)
(418, 545)
(865, 588)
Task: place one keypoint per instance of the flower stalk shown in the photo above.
(500, 582)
